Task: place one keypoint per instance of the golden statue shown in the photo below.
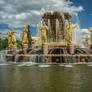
(25, 37)
(70, 27)
(9, 39)
(13, 37)
(87, 41)
(35, 40)
(43, 29)
(90, 30)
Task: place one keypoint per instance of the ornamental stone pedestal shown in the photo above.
(71, 48)
(24, 48)
(45, 51)
(24, 51)
(12, 50)
(45, 48)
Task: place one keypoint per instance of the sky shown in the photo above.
(16, 13)
(85, 16)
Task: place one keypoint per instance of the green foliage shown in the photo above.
(4, 44)
(29, 37)
(19, 44)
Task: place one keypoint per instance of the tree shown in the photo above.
(29, 37)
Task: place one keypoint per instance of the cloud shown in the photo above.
(79, 35)
(85, 32)
(4, 28)
(20, 12)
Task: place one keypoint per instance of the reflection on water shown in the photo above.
(66, 65)
(54, 78)
(27, 64)
(44, 65)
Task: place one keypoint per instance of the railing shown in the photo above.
(56, 55)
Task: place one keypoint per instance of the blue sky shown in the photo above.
(18, 30)
(85, 16)
(16, 13)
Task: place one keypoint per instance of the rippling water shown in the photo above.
(27, 77)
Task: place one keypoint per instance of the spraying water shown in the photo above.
(2, 57)
(77, 31)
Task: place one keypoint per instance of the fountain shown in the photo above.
(57, 45)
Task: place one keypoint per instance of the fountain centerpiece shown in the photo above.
(57, 25)
(57, 45)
